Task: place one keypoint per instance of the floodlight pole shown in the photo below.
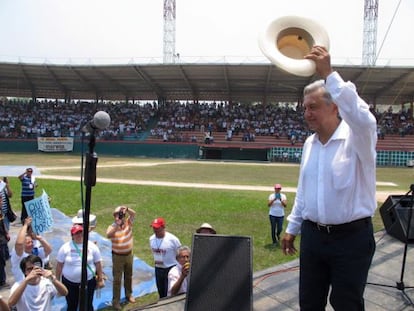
(90, 181)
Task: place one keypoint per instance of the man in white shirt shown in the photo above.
(164, 247)
(37, 289)
(335, 199)
(177, 276)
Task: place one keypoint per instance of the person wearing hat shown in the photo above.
(120, 234)
(93, 236)
(69, 268)
(78, 219)
(164, 247)
(336, 195)
(206, 228)
(276, 203)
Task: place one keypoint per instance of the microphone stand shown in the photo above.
(89, 181)
(400, 285)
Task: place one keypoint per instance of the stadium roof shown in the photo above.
(225, 82)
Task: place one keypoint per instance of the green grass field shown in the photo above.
(233, 212)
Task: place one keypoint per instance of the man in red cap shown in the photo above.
(120, 233)
(277, 203)
(164, 247)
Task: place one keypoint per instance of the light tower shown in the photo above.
(369, 47)
(169, 31)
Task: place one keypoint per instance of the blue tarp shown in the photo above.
(143, 281)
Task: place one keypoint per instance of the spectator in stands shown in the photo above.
(177, 276)
(380, 133)
(208, 139)
(229, 134)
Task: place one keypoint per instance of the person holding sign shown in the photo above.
(39, 210)
(25, 247)
(28, 190)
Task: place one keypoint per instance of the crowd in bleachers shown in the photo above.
(235, 121)
(172, 121)
(390, 123)
(28, 119)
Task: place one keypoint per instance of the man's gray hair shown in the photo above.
(182, 249)
(316, 85)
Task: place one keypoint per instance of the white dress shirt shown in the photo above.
(337, 181)
(173, 276)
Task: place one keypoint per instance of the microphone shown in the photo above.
(100, 121)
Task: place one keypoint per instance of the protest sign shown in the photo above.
(39, 210)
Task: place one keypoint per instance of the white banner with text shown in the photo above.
(55, 144)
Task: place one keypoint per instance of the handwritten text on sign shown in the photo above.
(39, 210)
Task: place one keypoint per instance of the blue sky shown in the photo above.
(124, 31)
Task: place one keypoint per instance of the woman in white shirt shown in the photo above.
(69, 268)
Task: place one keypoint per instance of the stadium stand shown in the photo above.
(277, 128)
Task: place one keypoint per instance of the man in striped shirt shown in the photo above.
(28, 190)
(120, 233)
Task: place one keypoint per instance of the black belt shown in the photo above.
(168, 268)
(119, 254)
(348, 227)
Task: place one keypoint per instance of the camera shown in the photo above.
(121, 215)
(37, 264)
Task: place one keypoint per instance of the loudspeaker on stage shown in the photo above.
(221, 274)
(395, 214)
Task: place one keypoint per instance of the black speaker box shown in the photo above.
(221, 277)
(395, 214)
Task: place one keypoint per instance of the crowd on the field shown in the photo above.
(171, 121)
